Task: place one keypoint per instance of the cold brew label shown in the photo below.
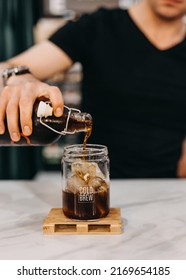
(86, 195)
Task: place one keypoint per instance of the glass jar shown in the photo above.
(86, 182)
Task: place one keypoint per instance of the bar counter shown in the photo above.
(153, 219)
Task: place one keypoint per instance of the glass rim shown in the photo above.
(76, 150)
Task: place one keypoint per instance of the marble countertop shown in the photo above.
(153, 217)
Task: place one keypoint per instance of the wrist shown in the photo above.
(13, 71)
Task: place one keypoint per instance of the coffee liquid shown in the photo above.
(87, 206)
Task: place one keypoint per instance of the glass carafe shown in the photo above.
(47, 128)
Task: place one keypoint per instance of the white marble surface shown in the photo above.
(153, 214)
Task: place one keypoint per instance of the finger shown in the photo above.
(56, 99)
(3, 104)
(12, 114)
(26, 108)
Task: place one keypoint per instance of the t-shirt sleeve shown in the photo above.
(77, 37)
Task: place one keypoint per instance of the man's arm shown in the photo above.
(18, 96)
(44, 60)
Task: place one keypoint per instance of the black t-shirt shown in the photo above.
(135, 92)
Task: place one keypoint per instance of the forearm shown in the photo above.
(44, 60)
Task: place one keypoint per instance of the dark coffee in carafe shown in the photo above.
(47, 128)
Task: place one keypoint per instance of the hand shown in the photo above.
(181, 167)
(17, 99)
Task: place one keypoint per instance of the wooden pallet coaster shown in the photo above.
(57, 223)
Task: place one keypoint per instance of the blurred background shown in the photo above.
(22, 24)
